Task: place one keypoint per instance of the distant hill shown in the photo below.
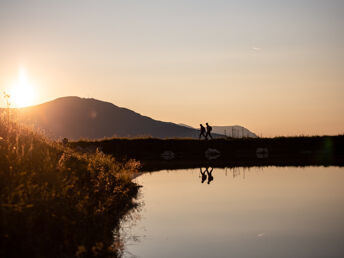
(235, 131)
(77, 118)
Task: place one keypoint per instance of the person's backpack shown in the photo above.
(210, 128)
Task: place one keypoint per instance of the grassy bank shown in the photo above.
(55, 202)
(156, 154)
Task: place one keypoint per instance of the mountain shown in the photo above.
(187, 126)
(76, 118)
(235, 131)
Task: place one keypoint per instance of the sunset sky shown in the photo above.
(275, 67)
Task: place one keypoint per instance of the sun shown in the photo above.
(22, 93)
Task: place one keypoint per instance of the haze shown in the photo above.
(275, 67)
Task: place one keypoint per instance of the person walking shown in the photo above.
(209, 128)
(202, 132)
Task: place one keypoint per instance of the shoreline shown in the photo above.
(156, 154)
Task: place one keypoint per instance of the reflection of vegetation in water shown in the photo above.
(55, 202)
(123, 235)
(240, 172)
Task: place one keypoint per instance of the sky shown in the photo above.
(275, 67)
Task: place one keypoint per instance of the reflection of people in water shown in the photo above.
(202, 131)
(204, 176)
(210, 176)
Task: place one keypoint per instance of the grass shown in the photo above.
(190, 153)
(55, 202)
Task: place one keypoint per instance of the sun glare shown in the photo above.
(22, 93)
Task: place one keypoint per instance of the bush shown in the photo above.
(57, 202)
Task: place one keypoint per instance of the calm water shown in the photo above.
(257, 212)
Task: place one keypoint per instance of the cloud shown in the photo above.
(256, 48)
(261, 235)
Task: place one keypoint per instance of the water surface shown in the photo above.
(257, 212)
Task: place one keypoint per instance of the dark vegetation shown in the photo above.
(55, 202)
(156, 154)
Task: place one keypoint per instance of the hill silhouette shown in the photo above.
(77, 118)
(235, 131)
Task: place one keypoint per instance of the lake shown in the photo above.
(242, 212)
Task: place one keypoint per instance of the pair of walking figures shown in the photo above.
(205, 133)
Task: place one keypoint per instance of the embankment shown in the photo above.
(156, 154)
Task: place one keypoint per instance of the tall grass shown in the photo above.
(55, 202)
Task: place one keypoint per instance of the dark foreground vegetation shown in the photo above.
(157, 154)
(55, 202)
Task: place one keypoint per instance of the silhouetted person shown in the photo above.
(210, 176)
(209, 128)
(202, 132)
(204, 176)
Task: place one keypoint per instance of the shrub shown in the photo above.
(57, 202)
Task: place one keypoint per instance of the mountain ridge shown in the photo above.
(76, 118)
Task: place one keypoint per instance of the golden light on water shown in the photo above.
(22, 93)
